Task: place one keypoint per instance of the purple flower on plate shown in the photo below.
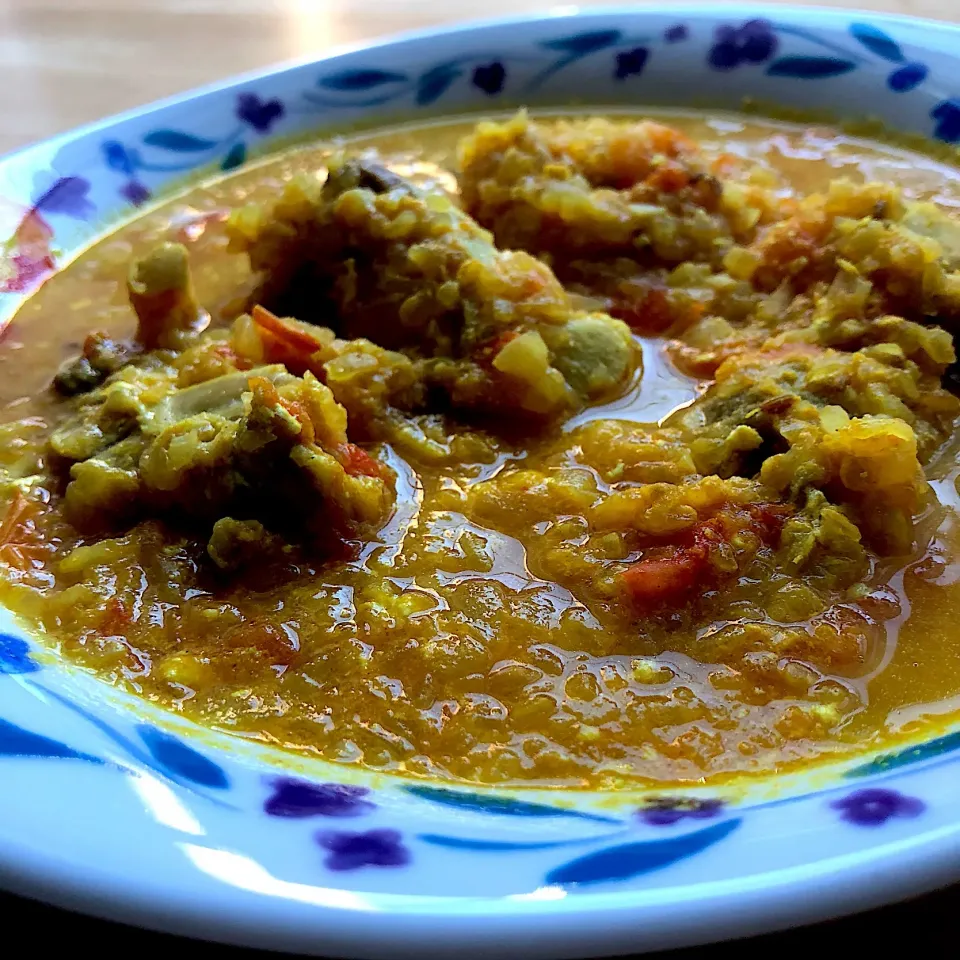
(135, 192)
(947, 115)
(64, 195)
(490, 77)
(375, 848)
(260, 114)
(753, 42)
(676, 33)
(664, 811)
(630, 63)
(297, 799)
(874, 806)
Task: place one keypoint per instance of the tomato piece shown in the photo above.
(301, 414)
(650, 311)
(668, 140)
(657, 579)
(116, 617)
(668, 178)
(493, 347)
(291, 336)
(651, 308)
(726, 164)
(357, 462)
(226, 353)
(670, 578)
(266, 393)
(769, 518)
(14, 518)
(265, 390)
(703, 364)
(20, 543)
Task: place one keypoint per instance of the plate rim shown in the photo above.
(921, 862)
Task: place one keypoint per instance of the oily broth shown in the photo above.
(444, 736)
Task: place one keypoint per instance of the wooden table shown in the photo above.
(66, 62)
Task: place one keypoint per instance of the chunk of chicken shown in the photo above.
(257, 445)
(599, 189)
(492, 330)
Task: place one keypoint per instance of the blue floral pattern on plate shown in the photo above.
(291, 798)
(15, 655)
(875, 806)
(243, 816)
(168, 150)
(784, 50)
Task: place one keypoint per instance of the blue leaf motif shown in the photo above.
(177, 141)
(17, 742)
(907, 77)
(235, 156)
(505, 806)
(493, 846)
(324, 102)
(911, 755)
(359, 80)
(181, 761)
(878, 42)
(434, 83)
(118, 157)
(633, 859)
(15, 655)
(581, 44)
(810, 68)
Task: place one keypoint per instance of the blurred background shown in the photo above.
(66, 62)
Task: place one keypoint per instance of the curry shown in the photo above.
(586, 451)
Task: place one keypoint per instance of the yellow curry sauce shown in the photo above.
(545, 559)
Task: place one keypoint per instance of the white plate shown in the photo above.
(116, 808)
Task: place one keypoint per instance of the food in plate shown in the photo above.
(575, 451)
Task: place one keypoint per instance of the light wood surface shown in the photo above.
(66, 62)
